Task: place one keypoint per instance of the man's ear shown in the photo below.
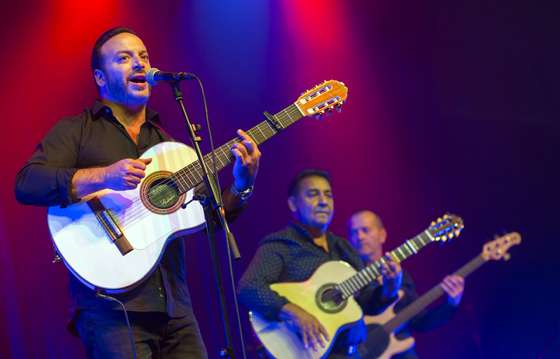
(292, 204)
(99, 77)
(383, 235)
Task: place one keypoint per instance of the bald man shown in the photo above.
(368, 235)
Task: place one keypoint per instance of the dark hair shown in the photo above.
(310, 172)
(102, 39)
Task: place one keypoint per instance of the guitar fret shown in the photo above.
(429, 235)
(345, 292)
(348, 287)
(371, 273)
(281, 117)
(425, 239)
(415, 241)
(375, 271)
(418, 241)
(406, 250)
(268, 129)
(361, 281)
(399, 249)
(411, 247)
(262, 134)
(355, 284)
(364, 281)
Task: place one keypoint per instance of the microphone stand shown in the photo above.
(215, 199)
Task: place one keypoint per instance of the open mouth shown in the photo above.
(138, 79)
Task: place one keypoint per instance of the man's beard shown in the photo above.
(120, 93)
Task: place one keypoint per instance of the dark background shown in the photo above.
(452, 107)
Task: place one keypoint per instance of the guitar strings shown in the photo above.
(137, 211)
(158, 191)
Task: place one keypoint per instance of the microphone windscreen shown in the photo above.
(150, 76)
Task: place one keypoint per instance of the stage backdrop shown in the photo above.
(452, 107)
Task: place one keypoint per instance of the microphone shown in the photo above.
(154, 75)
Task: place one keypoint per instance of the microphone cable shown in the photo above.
(130, 336)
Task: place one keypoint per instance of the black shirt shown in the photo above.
(95, 138)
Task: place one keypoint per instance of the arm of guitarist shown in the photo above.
(392, 280)
(50, 176)
(45, 179)
(312, 331)
(255, 294)
(247, 157)
(375, 298)
(254, 286)
(435, 317)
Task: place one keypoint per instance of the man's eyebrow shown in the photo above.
(123, 51)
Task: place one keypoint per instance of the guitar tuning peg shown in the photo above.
(432, 224)
(507, 257)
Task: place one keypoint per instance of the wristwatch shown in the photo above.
(243, 195)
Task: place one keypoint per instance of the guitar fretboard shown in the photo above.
(370, 273)
(419, 304)
(190, 176)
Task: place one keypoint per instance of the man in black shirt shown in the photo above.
(293, 254)
(367, 234)
(99, 149)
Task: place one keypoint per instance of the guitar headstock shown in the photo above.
(322, 98)
(498, 248)
(447, 227)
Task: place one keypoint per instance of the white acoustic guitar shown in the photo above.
(382, 342)
(112, 240)
(329, 295)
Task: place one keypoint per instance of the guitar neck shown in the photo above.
(190, 176)
(419, 304)
(352, 285)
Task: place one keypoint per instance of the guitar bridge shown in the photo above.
(110, 225)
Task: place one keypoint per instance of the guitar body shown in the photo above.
(379, 342)
(281, 340)
(87, 249)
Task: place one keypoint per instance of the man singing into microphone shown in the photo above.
(98, 149)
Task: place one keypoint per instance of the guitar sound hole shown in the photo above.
(163, 193)
(159, 193)
(330, 299)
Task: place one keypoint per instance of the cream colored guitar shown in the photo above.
(381, 341)
(113, 240)
(329, 295)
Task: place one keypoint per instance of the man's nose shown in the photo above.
(361, 235)
(138, 63)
